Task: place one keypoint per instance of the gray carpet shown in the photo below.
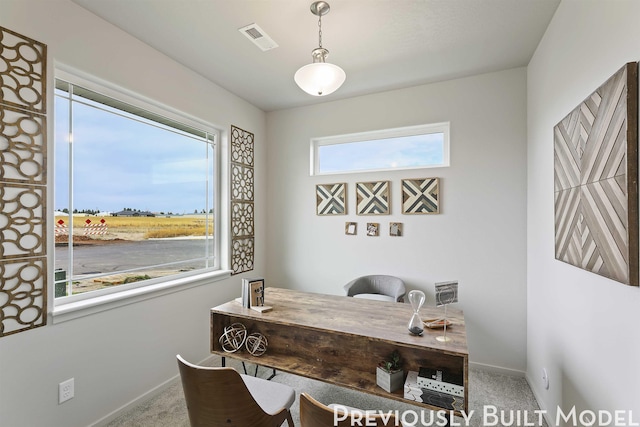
(509, 396)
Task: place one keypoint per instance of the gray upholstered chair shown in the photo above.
(316, 414)
(378, 286)
(221, 396)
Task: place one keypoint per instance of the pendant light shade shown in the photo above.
(320, 77)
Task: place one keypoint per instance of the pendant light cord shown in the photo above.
(320, 29)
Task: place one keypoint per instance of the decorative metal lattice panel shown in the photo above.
(242, 255)
(23, 72)
(23, 179)
(22, 221)
(242, 222)
(241, 182)
(242, 207)
(23, 294)
(596, 178)
(241, 147)
(22, 146)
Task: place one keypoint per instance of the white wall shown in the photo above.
(117, 355)
(479, 237)
(582, 327)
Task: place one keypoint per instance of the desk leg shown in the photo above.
(255, 372)
(273, 374)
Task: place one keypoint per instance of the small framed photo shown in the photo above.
(252, 292)
(395, 229)
(373, 229)
(351, 228)
(446, 293)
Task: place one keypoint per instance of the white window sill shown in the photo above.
(86, 307)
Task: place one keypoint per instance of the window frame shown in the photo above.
(73, 306)
(424, 129)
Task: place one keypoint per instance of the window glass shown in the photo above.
(403, 148)
(134, 194)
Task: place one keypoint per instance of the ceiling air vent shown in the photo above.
(258, 37)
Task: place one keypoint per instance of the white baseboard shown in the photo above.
(541, 403)
(497, 369)
(143, 397)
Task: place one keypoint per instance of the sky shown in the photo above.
(121, 163)
(388, 153)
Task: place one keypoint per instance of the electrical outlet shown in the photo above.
(65, 391)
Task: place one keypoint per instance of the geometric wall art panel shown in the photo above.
(242, 219)
(22, 221)
(242, 255)
(241, 182)
(23, 296)
(242, 147)
(331, 199)
(23, 183)
(242, 204)
(595, 180)
(421, 196)
(372, 198)
(22, 146)
(23, 72)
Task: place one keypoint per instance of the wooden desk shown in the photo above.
(340, 340)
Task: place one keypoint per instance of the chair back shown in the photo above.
(377, 284)
(219, 397)
(316, 414)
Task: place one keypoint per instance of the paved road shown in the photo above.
(130, 255)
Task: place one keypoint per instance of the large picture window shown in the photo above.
(413, 147)
(135, 194)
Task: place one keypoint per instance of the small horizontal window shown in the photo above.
(414, 147)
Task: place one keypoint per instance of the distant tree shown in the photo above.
(65, 210)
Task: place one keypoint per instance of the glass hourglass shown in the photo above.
(416, 299)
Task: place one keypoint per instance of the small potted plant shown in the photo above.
(389, 373)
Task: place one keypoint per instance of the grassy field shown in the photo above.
(140, 228)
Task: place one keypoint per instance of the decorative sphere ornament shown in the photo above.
(256, 344)
(233, 337)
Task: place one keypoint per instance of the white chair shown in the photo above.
(378, 287)
(224, 397)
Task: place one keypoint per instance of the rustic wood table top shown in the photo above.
(378, 320)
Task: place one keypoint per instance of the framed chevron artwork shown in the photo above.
(596, 180)
(372, 198)
(421, 196)
(331, 199)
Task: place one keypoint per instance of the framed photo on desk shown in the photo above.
(252, 292)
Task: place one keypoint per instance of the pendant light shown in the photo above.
(320, 77)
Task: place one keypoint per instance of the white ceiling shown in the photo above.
(381, 44)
